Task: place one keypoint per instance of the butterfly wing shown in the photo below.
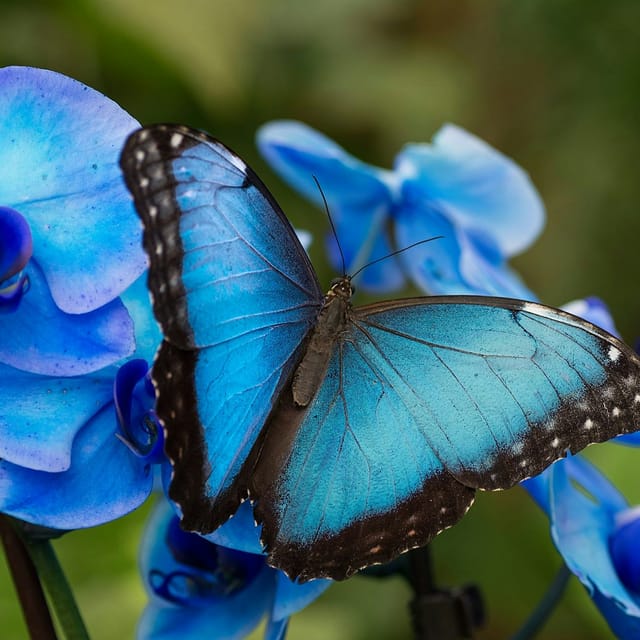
(235, 295)
(424, 402)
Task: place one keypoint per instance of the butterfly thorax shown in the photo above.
(330, 325)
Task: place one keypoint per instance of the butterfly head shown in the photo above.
(341, 287)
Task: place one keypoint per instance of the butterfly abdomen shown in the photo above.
(331, 323)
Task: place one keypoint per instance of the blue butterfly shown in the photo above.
(358, 433)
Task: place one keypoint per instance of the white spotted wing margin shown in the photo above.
(425, 401)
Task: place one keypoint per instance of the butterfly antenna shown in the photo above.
(333, 227)
(395, 253)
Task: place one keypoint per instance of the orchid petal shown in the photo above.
(148, 336)
(42, 415)
(42, 339)
(291, 596)
(595, 311)
(239, 532)
(276, 629)
(298, 153)
(476, 186)
(16, 244)
(359, 197)
(451, 264)
(105, 481)
(580, 529)
(59, 157)
(225, 617)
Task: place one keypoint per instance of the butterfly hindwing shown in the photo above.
(424, 402)
(235, 295)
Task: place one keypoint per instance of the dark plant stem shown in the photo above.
(441, 613)
(545, 607)
(58, 589)
(421, 571)
(27, 584)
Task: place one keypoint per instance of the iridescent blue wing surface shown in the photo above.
(235, 295)
(425, 401)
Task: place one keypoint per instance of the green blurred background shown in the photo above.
(555, 84)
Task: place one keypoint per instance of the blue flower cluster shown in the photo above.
(73, 305)
(79, 440)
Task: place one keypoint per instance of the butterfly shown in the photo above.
(356, 432)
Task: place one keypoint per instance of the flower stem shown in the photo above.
(58, 589)
(545, 607)
(27, 584)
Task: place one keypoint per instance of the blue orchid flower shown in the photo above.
(483, 206)
(215, 586)
(597, 533)
(78, 451)
(73, 305)
(70, 239)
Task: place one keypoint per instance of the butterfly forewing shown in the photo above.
(235, 295)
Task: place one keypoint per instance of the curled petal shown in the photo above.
(134, 401)
(104, 482)
(42, 339)
(16, 245)
(59, 158)
(475, 186)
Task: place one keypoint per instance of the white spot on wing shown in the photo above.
(588, 424)
(614, 353)
(176, 140)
